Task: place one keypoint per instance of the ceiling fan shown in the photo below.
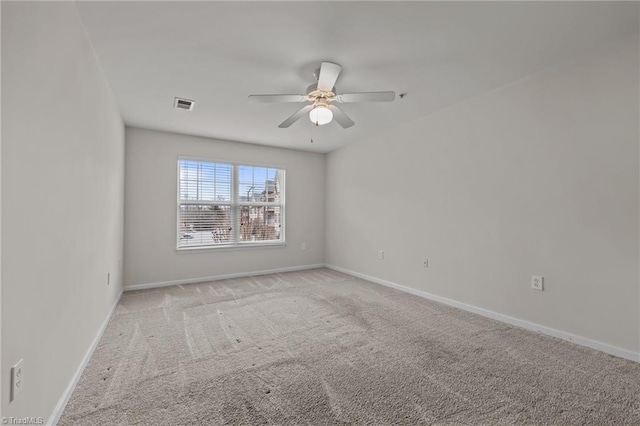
(321, 97)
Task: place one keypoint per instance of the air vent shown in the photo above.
(183, 104)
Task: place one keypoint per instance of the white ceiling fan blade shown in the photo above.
(341, 117)
(329, 73)
(296, 116)
(366, 97)
(277, 98)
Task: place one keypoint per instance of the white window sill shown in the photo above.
(250, 246)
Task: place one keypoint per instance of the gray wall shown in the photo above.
(62, 200)
(2, 375)
(150, 209)
(538, 177)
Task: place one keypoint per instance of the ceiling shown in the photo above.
(218, 53)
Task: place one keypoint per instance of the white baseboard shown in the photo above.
(221, 277)
(64, 399)
(593, 344)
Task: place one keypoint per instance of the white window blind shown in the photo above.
(221, 205)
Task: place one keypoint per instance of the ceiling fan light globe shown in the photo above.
(320, 115)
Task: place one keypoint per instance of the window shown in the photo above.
(223, 205)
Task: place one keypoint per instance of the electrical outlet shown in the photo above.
(303, 246)
(16, 380)
(380, 254)
(537, 282)
(425, 263)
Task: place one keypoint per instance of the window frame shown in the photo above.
(235, 205)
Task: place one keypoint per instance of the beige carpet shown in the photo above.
(318, 347)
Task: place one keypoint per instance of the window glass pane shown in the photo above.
(204, 225)
(260, 223)
(203, 181)
(259, 184)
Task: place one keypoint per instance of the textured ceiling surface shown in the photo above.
(218, 53)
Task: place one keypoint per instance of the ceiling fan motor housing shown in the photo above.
(314, 94)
